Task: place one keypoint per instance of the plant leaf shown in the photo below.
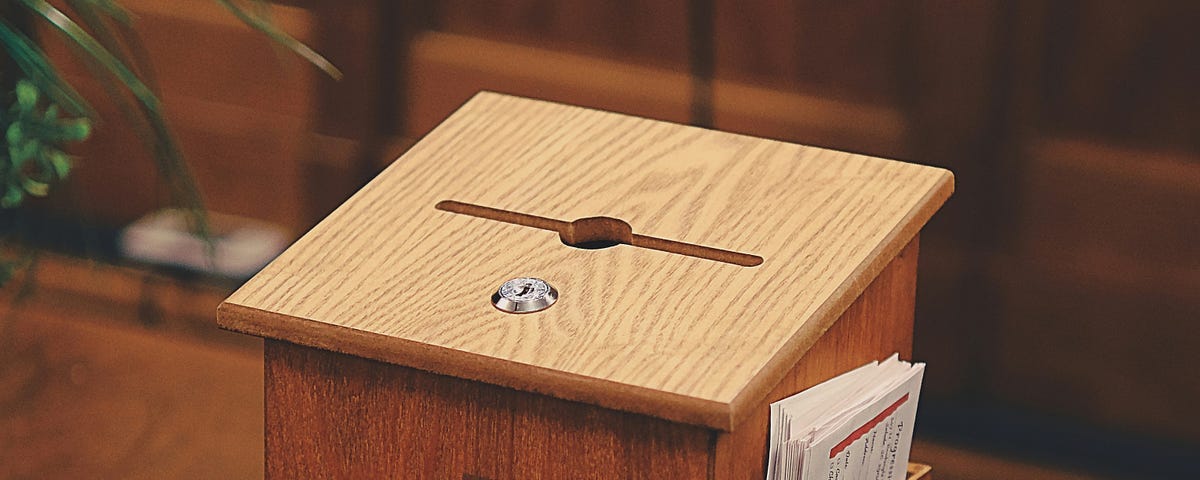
(94, 49)
(12, 197)
(269, 29)
(92, 13)
(60, 162)
(109, 7)
(22, 152)
(75, 130)
(170, 160)
(32, 61)
(14, 135)
(27, 95)
(34, 187)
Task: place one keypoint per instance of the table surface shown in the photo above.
(390, 276)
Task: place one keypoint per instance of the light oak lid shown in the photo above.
(389, 276)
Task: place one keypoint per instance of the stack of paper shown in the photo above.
(855, 426)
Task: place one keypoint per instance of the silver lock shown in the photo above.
(524, 295)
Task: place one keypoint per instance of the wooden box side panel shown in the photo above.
(876, 325)
(330, 415)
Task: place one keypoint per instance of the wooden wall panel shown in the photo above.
(1100, 290)
(199, 50)
(1125, 71)
(953, 88)
(446, 70)
(239, 105)
(1097, 275)
(646, 32)
(848, 50)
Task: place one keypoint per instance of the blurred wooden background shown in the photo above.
(1059, 284)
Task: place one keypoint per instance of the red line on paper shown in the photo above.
(867, 427)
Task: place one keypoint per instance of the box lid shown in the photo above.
(403, 272)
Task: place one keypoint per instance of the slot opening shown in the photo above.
(593, 233)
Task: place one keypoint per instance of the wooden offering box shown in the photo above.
(738, 271)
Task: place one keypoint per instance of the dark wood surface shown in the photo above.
(82, 396)
(331, 415)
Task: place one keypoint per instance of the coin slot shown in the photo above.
(600, 232)
(596, 232)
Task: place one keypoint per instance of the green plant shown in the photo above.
(34, 133)
(45, 112)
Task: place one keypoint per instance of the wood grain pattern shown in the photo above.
(878, 324)
(331, 415)
(389, 277)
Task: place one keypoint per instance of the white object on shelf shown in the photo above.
(241, 246)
